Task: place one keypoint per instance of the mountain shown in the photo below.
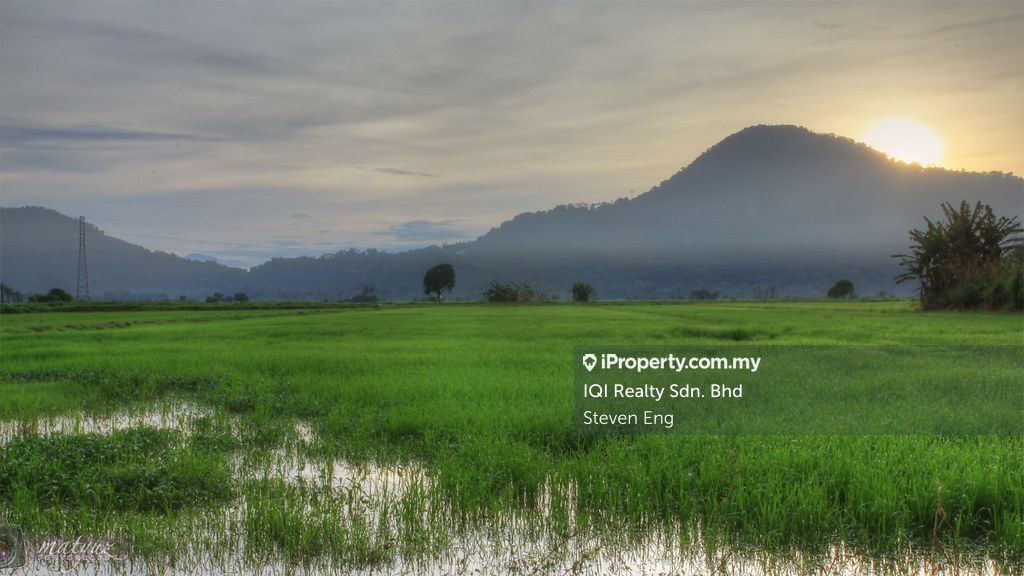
(767, 206)
(39, 251)
(766, 192)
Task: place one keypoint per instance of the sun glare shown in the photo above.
(905, 140)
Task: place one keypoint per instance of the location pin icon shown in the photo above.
(589, 361)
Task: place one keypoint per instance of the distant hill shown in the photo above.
(766, 192)
(768, 206)
(39, 251)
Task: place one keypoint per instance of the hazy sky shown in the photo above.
(245, 130)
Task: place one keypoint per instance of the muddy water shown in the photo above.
(509, 545)
(176, 415)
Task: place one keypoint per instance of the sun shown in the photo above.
(905, 140)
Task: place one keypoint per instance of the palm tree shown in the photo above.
(967, 247)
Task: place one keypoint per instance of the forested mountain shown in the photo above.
(769, 206)
(39, 251)
(765, 192)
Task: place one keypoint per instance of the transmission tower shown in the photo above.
(83, 267)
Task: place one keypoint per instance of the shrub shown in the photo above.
(582, 292)
(841, 289)
(703, 294)
(368, 294)
(54, 296)
(511, 292)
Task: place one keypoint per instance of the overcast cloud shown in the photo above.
(207, 127)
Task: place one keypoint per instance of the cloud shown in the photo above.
(426, 231)
(170, 48)
(973, 24)
(221, 121)
(17, 136)
(397, 172)
(827, 25)
(400, 172)
(41, 160)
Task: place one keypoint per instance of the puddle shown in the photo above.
(484, 554)
(393, 501)
(173, 416)
(368, 478)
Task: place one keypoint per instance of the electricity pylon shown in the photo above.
(83, 266)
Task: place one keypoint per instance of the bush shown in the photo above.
(1007, 291)
(582, 292)
(54, 296)
(703, 294)
(511, 292)
(841, 289)
(966, 295)
(368, 294)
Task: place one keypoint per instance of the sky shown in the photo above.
(247, 130)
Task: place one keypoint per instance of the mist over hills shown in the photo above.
(766, 192)
(39, 251)
(767, 206)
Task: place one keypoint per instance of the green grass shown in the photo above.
(482, 396)
(137, 470)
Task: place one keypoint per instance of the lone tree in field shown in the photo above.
(582, 292)
(438, 280)
(841, 289)
(970, 260)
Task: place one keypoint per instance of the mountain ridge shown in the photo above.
(774, 173)
(768, 204)
(39, 251)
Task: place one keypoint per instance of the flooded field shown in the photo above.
(352, 442)
(294, 508)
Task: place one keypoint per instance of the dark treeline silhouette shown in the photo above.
(768, 206)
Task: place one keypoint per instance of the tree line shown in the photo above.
(970, 259)
(441, 278)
